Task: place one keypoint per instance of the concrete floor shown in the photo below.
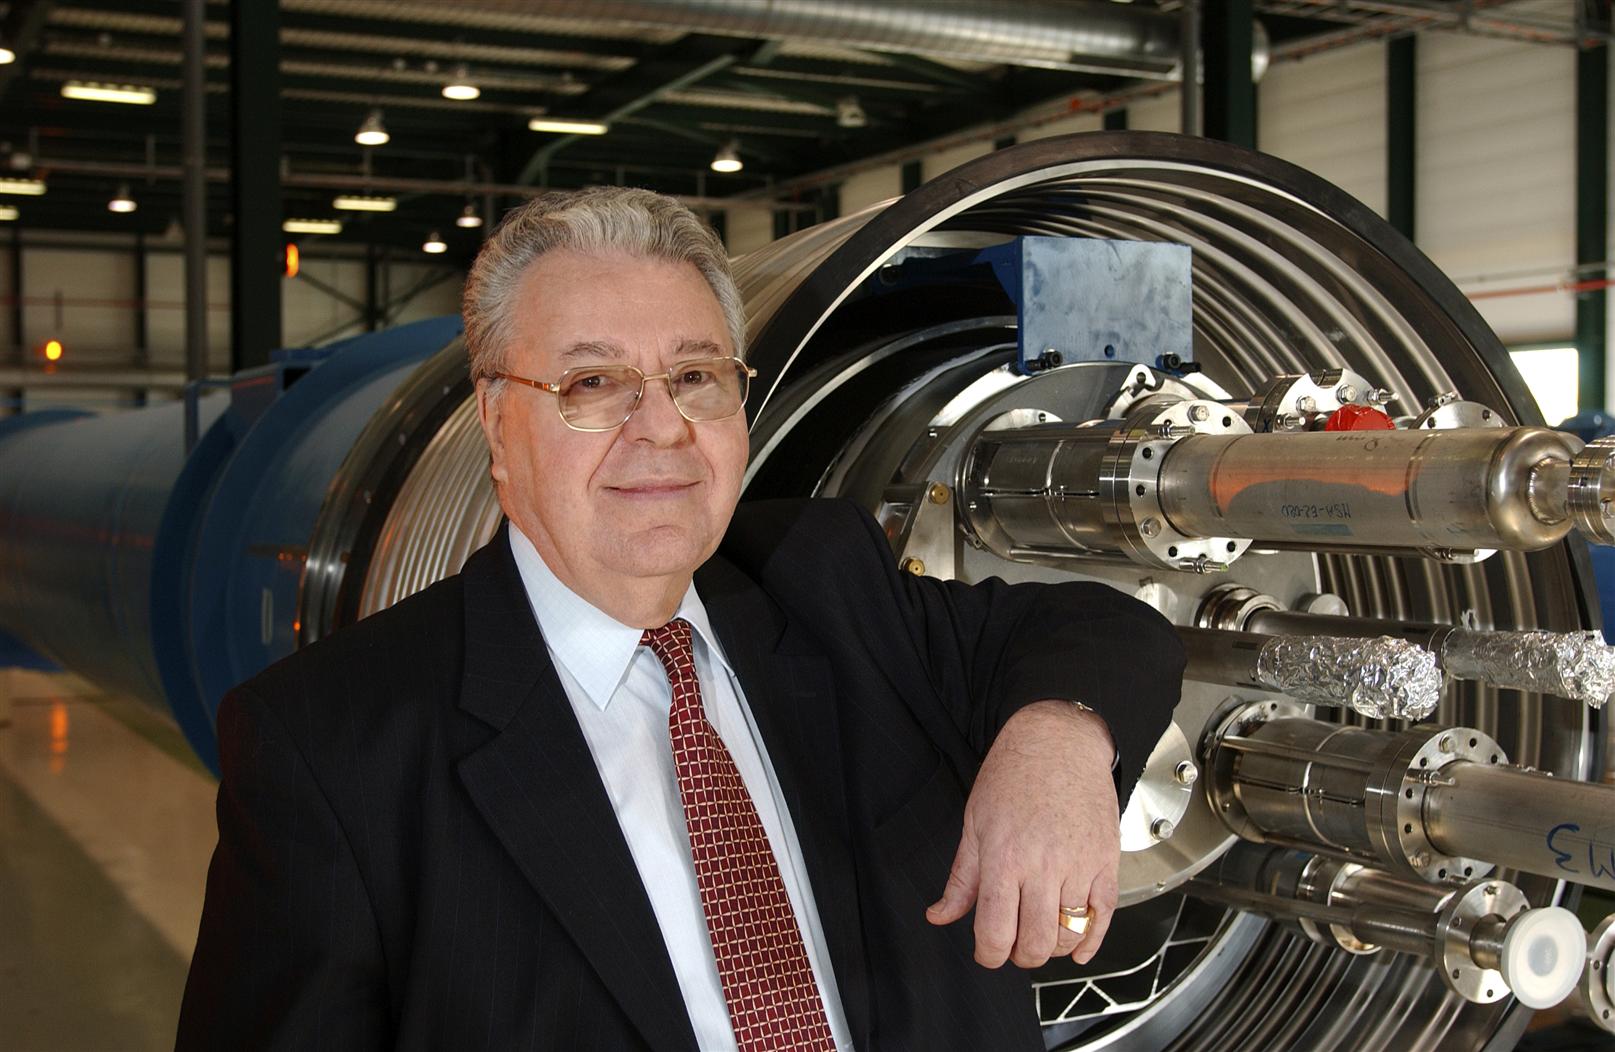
(106, 827)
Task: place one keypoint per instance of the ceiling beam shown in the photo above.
(678, 65)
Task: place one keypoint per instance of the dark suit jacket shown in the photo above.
(415, 849)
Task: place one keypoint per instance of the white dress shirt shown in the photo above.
(622, 697)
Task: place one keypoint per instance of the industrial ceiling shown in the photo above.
(793, 87)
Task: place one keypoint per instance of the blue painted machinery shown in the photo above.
(169, 574)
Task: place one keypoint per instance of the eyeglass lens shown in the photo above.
(604, 396)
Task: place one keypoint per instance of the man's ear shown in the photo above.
(489, 413)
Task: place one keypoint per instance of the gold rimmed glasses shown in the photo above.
(603, 397)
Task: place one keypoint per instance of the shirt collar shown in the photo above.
(595, 648)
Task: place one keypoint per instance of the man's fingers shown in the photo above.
(1073, 894)
(997, 906)
(1102, 907)
(1038, 931)
(960, 893)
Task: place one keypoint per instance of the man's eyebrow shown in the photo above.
(593, 349)
(691, 347)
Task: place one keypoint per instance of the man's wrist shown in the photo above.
(1100, 722)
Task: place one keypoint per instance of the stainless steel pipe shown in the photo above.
(1439, 805)
(1381, 678)
(1437, 491)
(1482, 937)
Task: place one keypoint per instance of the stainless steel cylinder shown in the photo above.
(1525, 820)
(1424, 803)
(1350, 792)
(1437, 491)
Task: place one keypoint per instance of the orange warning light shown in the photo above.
(53, 350)
(291, 260)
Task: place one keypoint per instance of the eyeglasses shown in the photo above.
(603, 397)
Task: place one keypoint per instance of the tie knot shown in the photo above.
(670, 643)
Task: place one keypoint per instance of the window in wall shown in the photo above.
(1550, 373)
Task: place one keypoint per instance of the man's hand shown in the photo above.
(1041, 831)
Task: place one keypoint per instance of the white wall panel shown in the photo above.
(1158, 113)
(94, 290)
(1496, 175)
(947, 160)
(866, 188)
(165, 319)
(1081, 122)
(1326, 113)
(747, 228)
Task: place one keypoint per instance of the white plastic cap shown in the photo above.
(1544, 951)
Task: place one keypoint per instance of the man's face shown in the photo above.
(650, 499)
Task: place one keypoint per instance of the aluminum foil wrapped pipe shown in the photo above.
(1383, 678)
(1576, 665)
(1455, 490)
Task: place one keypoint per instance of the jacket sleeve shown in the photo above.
(987, 649)
(288, 955)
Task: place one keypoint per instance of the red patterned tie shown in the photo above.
(773, 1000)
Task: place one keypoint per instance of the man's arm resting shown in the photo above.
(288, 954)
(1041, 831)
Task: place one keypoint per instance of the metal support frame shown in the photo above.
(1401, 132)
(1592, 220)
(18, 353)
(371, 313)
(195, 190)
(256, 265)
(1228, 32)
(142, 330)
(1190, 92)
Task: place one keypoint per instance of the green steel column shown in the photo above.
(1592, 219)
(1401, 133)
(1229, 95)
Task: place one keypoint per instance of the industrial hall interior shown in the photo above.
(1280, 329)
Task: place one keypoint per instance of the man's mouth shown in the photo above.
(652, 487)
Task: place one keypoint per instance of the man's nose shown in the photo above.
(657, 419)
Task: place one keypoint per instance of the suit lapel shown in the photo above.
(536, 784)
(790, 690)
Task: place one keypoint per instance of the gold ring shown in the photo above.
(1075, 919)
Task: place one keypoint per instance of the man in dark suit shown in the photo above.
(652, 772)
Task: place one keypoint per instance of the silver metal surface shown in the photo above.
(1524, 820)
(1598, 980)
(1591, 500)
(1578, 665)
(1381, 678)
(1075, 36)
(1351, 792)
(1403, 490)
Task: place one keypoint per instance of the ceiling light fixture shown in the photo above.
(460, 87)
(372, 132)
(8, 214)
(89, 91)
(121, 201)
(567, 126)
(363, 203)
(434, 244)
(312, 226)
(468, 217)
(7, 56)
(25, 187)
(850, 113)
(727, 159)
